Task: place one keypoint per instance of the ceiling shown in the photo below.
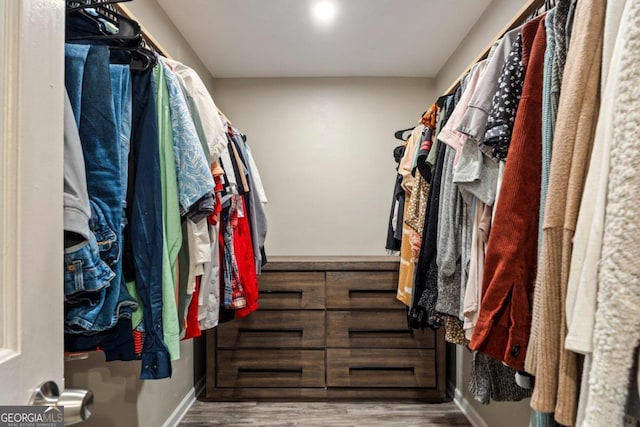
(279, 38)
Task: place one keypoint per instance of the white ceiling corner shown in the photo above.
(278, 38)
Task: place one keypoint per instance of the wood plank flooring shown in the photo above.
(333, 414)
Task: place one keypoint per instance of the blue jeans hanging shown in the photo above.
(88, 82)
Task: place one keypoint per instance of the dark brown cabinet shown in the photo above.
(327, 328)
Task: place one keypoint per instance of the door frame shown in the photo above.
(31, 196)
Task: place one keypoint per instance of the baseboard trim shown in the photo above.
(451, 389)
(472, 415)
(180, 411)
(200, 385)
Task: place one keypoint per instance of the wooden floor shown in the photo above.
(323, 414)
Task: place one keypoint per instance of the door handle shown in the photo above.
(76, 402)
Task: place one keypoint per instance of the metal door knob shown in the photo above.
(76, 402)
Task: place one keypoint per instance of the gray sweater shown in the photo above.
(76, 198)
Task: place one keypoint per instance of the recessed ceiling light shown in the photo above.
(324, 11)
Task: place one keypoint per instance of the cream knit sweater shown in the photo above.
(617, 326)
(555, 368)
(587, 242)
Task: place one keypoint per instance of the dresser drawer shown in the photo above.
(403, 368)
(274, 329)
(375, 329)
(377, 289)
(292, 290)
(270, 368)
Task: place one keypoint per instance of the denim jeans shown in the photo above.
(117, 343)
(85, 274)
(88, 82)
(121, 84)
(142, 223)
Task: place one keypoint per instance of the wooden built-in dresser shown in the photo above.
(327, 328)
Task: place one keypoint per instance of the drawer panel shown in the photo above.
(355, 289)
(403, 368)
(300, 290)
(270, 368)
(375, 329)
(274, 329)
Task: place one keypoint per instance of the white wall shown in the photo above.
(324, 147)
(153, 19)
(492, 21)
(121, 399)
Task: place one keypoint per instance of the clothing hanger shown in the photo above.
(73, 5)
(99, 14)
(127, 37)
(143, 56)
(400, 133)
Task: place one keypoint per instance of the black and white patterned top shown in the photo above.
(505, 104)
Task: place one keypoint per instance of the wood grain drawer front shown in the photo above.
(274, 329)
(296, 291)
(374, 329)
(377, 289)
(403, 368)
(270, 368)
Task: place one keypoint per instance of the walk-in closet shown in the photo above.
(320, 213)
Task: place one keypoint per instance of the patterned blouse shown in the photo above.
(194, 175)
(505, 105)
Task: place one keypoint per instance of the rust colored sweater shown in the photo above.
(503, 326)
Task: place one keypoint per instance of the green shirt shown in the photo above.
(170, 217)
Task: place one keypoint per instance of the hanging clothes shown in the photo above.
(396, 216)
(405, 277)
(172, 231)
(556, 369)
(142, 207)
(209, 126)
(617, 322)
(452, 215)
(255, 200)
(503, 324)
(209, 294)
(473, 291)
(490, 380)
(422, 311)
(475, 118)
(243, 249)
(505, 104)
(582, 287)
(417, 206)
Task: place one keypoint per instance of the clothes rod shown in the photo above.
(527, 9)
(147, 35)
(155, 44)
